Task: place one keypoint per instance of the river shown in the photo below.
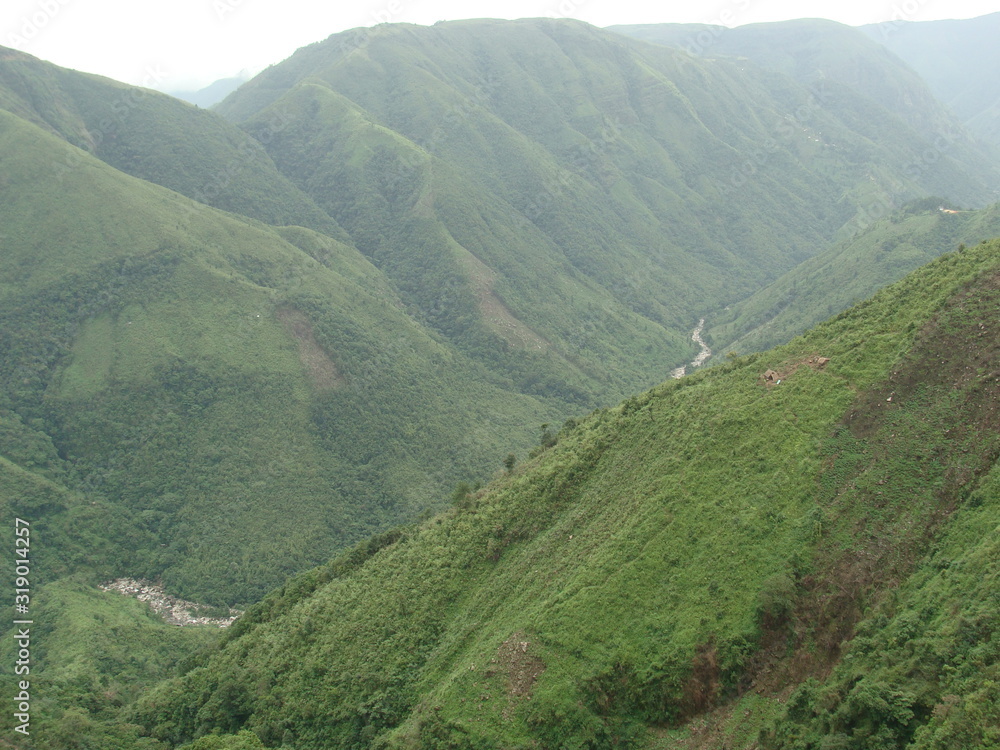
(704, 354)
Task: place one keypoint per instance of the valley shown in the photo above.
(703, 355)
(423, 392)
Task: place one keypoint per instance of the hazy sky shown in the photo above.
(176, 44)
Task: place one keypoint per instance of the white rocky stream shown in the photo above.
(704, 354)
(170, 608)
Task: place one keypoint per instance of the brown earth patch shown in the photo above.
(322, 371)
(701, 691)
(904, 421)
(522, 666)
(496, 314)
(813, 362)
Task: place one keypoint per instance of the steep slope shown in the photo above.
(715, 540)
(248, 399)
(848, 271)
(545, 184)
(829, 54)
(154, 137)
(939, 52)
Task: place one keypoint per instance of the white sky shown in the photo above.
(178, 44)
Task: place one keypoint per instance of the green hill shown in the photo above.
(575, 190)
(250, 398)
(847, 272)
(829, 55)
(236, 345)
(154, 137)
(722, 561)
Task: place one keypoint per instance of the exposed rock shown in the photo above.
(175, 611)
(704, 354)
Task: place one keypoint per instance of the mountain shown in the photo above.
(728, 560)
(238, 343)
(154, 137)
(562, 174)
(849, 271)
(213, 93)
(939, 52)
(829, 54)
(242, 399)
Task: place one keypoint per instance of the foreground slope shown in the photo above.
(717, 539)
(247, 399)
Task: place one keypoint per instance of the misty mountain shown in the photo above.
(940, 52)
(213, 93)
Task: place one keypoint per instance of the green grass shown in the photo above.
(153, 348)
(847, 272)
(649, 561)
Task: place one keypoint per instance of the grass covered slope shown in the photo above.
(154, 137)
(847, 272)
(867, 85)
(715, 539)
(249, 399)
(542, 185)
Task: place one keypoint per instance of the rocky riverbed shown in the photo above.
(175, 611)
(704, 354)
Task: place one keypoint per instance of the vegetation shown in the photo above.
(938, 51)
(153, 137)
(580, 193)
(248, 400)
(308, 330)
(829, 56)
(848, 272)
(708, 542)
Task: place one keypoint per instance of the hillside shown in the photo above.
(243, 343)
(847, 272)
(244, 399)
(572, 189)
(938, 51)
(826, 56)
(723, 561)
(213, 93)
(154, 137)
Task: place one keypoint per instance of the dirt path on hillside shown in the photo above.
(704, 354)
